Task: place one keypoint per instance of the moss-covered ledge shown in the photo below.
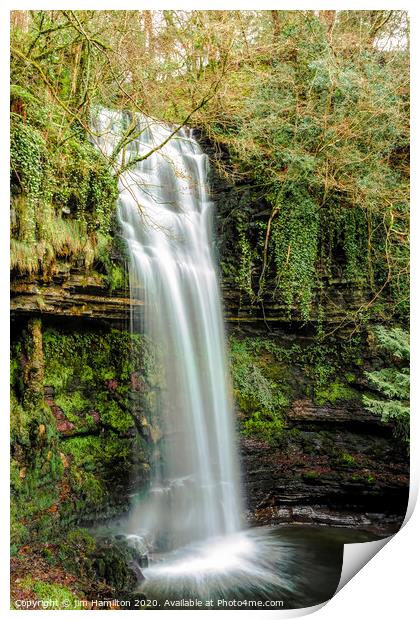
(71, 293)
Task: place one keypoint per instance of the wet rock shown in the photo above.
(113, 562)
(378, 523)
(138, 545)
(137, 571)
(349, 413)
(70, 295)
(107, 559)
(328, 469)
(63, 425)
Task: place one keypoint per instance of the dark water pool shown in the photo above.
(264, 568)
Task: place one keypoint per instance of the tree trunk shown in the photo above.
(33, 374)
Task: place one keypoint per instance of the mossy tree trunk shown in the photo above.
(33, 373)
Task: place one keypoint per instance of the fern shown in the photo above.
(395, 341)
(392, 383)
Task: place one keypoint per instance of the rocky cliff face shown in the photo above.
(336, 466)
(93, 435)
(84, 425)
(324, 458)
(310, 452)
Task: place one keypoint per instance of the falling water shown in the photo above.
(192, 512)
(166, 220)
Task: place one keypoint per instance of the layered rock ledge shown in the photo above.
(88, 295)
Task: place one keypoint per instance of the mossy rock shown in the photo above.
(311, 475)
(104, 558)
(335, 392)
(85, 450)
(51, 595)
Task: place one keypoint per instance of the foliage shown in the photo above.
(392, 383)
(320, 127)
(51, 595)
(308, 112)
(65, 64)
(260, 398)
(63, 193)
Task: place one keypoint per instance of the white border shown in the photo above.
(387, 586)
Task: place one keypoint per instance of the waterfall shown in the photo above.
(165, 215)
(190, 519)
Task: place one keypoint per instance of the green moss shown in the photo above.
(91, 372)
(53, 596)
(20, 422)
(57, 374)
(49, 556)
(36, 470)
(262, 424)
(63, 192)
(19, 533)
(311, 475)
(363, 478)
(76, 406)
(93, 358)
(113, 415)
(87, 486)
(348, 459)
(15, 365)
(99, 466)
(269, 373)
(90, 450)
(100, 558)
(73, 405)
(251, 380)
(80, 540)
(259, 387)
(335, 392)
(75, 551)
(267, 376)
(117, 278)
(58, 479)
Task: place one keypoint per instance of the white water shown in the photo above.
(192, 510)
(166, 220)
